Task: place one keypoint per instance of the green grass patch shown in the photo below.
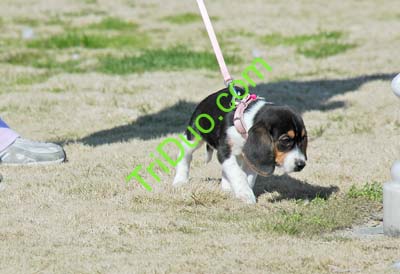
(336, 118)
(240, 32)
(113, 23)
(56, 90)
(175, 58)
(319, 45)
(361, 129)
(91, 41)
(27, 21)
(325, 49)
(9, 81)
(55, 20)
(185, 18)
(85, 12)
(44, 61)
(372, 191)
(276, 39)
(31, 79)
(24, 58)
(318, 131)
(316, 217)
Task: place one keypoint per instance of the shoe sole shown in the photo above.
(35, 163)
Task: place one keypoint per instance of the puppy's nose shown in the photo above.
(299, 165)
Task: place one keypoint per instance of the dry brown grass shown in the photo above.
(81, 217)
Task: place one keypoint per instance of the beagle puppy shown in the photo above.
(275, 137)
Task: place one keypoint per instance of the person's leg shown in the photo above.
(15, 150)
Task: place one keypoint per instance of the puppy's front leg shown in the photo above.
(225, 185)
(238, 180)
(251, 175)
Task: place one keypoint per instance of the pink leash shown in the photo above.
(238, 116)
(214, 43)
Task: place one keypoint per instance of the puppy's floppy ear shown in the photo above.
(258, 150)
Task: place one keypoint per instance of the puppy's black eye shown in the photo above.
(286, 142)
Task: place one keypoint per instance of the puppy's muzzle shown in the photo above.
(299, 164)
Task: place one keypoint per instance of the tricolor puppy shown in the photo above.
(253, 138)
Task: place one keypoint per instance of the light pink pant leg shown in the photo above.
(7, 135)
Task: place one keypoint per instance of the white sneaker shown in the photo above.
(26, 152)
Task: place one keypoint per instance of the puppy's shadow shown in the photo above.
(291, 188)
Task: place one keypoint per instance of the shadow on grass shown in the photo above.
(315, 94)
(170, 120)
(287, 187)
(302, 95)
(291, 188)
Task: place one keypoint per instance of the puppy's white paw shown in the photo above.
(226, 186)
(246, 195)
(180, 181)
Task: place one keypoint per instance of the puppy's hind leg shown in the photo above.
(183, 167)
(209, 153)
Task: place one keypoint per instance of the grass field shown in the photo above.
(111, 79)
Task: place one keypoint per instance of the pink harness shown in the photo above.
(238, 120)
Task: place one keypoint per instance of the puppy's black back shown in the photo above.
(221, 118)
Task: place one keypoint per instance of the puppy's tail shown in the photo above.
(209, 153)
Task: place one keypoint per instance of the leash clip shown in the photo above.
(235, 101)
